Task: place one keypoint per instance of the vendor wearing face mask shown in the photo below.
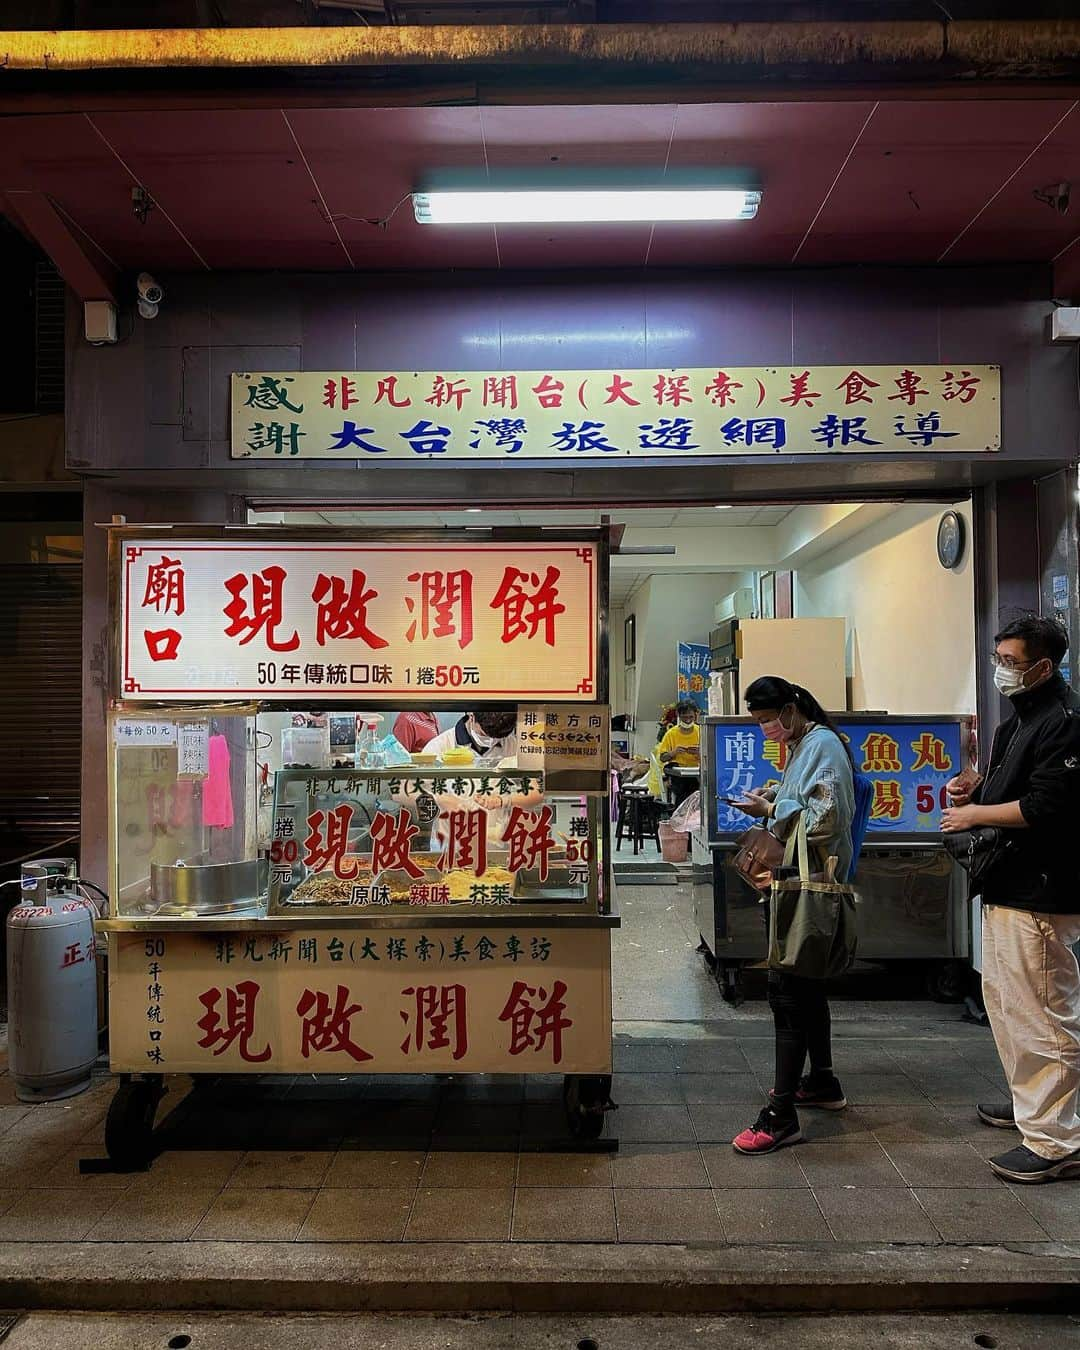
(489, 734)
(681, 746)
(492, 736)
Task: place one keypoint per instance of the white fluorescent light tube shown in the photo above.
(582, 206)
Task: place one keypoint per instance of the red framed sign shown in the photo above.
(277, 618)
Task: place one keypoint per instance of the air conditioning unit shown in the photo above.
(740, 604)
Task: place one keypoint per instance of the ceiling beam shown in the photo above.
(932, 52)
(88, 272)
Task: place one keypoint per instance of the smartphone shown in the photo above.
(731, 801)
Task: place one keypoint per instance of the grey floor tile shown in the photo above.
(563, 1214)
(189, 1167)
(953, 1165)
(467, 1170)
(710, 1057)
(384, 1169)
(772, 1216)
(885, 1215)
(565, 1169)
(1055, 1207)
(881, 1089)
(772, 1171)
(273, 1170)
(980, 1216)
(643, 1057)
(168, 1215)
(959, 1090)
(364, 1214)
(54, 1215)
(446, 1215)
(260, 1215)
(11, 1114)
(724, 1086)
(721, 1123)
(636, 1089)
(907, 1124)
(64, 1173)
(654, 1124)
(658, 1166)
(667, 1216)
(858, 1162)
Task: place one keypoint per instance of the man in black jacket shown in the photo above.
(1031, 901)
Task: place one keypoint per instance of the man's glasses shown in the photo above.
(1010, 663)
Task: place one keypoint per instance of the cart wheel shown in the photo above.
(947, 981)
(586, 1100)
(731, 985)
(129, 1126)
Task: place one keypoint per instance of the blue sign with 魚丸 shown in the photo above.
(908, 760)
(692, 669)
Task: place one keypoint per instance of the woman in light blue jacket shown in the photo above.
(819, 785)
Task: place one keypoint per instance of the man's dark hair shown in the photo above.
(686, 705)
(1042, 638)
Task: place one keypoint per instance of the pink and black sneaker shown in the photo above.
(768, 1133)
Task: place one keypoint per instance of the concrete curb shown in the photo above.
(534, 1278)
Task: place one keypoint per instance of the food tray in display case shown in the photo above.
(427, 838)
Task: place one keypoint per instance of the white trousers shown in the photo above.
(1031, 987)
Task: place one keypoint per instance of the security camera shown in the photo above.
(149, 289)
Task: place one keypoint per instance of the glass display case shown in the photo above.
(184, 841)
(219, 814)
(429, 837)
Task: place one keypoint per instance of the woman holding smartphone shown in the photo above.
(817, 784)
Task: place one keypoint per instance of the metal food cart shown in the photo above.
(913, 896)
(278, 911)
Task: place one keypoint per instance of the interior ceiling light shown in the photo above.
(585, 199)
(722, 506)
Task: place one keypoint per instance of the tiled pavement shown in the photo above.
(422, 1160)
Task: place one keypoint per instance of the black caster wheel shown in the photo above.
(947, 981)
(731, 985)
(586, 1101)
(129, 1126)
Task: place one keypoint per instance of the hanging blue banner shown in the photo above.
(909, 761)
(692, 669)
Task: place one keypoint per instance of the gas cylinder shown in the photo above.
(52, 985)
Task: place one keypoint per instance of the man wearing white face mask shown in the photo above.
(1030, 892)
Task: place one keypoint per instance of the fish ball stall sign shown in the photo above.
(242, 617)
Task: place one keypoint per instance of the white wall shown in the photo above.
(669, 608)
(910, 623)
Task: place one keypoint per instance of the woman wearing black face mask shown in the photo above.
(818, 785)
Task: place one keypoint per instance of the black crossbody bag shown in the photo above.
(980, 850)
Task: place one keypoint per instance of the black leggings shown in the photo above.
(803, 1026)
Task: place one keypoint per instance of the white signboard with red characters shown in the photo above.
(210, 619)
(468, 999)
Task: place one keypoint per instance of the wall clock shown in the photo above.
(950, 539)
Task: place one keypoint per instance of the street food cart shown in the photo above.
(276, 909)
(913, 896)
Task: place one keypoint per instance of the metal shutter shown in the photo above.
(40, 707)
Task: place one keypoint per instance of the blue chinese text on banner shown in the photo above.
(909, 761)
(693, 673)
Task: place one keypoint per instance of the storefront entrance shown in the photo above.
(870, 605)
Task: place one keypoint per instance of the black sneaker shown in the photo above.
(998, 1114)
(1021, 1165)
(825, 1094)
(768, 1133)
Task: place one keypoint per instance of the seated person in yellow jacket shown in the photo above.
(681, 745)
